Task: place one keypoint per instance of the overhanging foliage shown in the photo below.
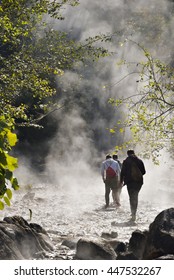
(8, 163)
(150, 111)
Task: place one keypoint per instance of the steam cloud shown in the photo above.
(74, 160)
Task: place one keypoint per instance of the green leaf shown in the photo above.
(3, 159)
(8, 175)
(12, 138)
(1, 205)
(15, 184)
(7, 201)
(9, 193)
(11, 162)
(3, 124)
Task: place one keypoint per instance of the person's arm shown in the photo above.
(118, 169)
(103, 172)
(142, 167)
(122, 173)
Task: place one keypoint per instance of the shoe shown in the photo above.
(106, 206)
(133, 218)
(118, 204)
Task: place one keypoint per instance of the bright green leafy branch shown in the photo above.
(8, 163)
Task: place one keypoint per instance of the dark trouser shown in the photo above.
(133, 189)
(110, 184)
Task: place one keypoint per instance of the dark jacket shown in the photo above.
(125, 175)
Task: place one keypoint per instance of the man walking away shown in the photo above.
(117, 191)
(115, 157)
(110, 172)
(132, 175)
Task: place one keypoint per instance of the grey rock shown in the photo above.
(91, 249)
(21, 240)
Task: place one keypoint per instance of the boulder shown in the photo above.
(160, 238)
(121, 247)
(137, 243)
(21, 240)
(156, 243)
(92, 249)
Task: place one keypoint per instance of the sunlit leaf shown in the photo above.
(12, 138)
(1, 205)
(12, 163)
(7, 201)
(9, 193)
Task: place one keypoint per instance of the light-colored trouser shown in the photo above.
(114, 185)
(116, 194)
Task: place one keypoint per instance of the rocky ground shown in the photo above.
(68, 213)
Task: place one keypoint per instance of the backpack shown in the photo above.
(110, 173)
(136, 173)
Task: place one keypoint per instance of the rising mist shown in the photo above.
(81, 142)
